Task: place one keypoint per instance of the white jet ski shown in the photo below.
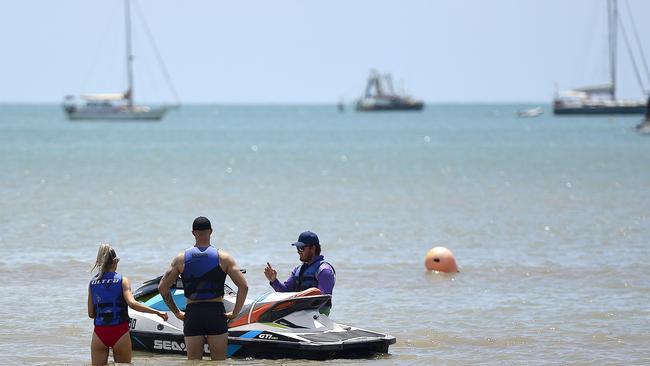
(275, 325)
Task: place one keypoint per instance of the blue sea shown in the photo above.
(549, 219)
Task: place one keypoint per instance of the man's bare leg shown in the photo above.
(194, 347)
(218, 345)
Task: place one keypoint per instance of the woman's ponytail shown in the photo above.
(104, 259)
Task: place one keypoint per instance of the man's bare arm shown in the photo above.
(238, 279)
(166, 282)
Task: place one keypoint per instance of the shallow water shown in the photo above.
(548, 218)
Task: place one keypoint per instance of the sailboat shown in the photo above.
(114, 106)
(601, 99)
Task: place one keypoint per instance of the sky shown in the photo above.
(290, 51)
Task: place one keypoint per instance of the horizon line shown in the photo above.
(287, 103)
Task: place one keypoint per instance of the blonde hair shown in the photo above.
(104, 260)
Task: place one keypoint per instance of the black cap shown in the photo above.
(201, 223)
(305, 239)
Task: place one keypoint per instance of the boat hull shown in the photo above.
(390, 107)
(149, 114)
(599, 110)
(289, 336)
(269, 345)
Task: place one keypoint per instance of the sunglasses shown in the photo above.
(302, 249)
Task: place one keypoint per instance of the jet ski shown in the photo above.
(274, 325)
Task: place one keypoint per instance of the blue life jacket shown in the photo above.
(203, 278)
(306, 275)
(106, 292)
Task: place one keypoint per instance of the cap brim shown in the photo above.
(299, 244)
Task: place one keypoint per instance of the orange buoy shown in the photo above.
(440, 259)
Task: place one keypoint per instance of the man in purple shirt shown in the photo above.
(313, 272)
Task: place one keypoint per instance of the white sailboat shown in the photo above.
(601, 99)
(114, 106)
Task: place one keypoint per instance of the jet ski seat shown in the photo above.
(259, 310)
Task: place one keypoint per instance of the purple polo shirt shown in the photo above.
(326, 280)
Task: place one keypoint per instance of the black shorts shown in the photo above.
(205, 318)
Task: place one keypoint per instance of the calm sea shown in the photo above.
(549, 219)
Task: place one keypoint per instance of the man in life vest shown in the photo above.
(203, 269)
(313, 272)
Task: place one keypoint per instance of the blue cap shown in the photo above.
(305, 239)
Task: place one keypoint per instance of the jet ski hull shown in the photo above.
(259, 344)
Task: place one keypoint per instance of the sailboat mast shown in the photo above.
(129, 54)
(612, 21)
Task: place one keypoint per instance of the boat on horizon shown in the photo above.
(530, 112)
(601, 99)
(115, 106)
(381, 96)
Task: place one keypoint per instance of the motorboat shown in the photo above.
(273, 325)
(381, 96)
(530, 112)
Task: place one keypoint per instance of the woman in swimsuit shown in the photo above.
(109, 294)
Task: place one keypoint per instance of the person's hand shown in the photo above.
(163, 315)
(230, 315)
(270, 273)
(180, 315)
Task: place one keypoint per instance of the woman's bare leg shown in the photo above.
(122, 352)
(98, 351)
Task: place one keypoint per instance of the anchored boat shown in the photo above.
(116, 106)
(601, 99)
(380, 96)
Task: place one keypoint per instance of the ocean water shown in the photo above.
(549, 219)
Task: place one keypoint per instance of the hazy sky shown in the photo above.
(314, 51)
